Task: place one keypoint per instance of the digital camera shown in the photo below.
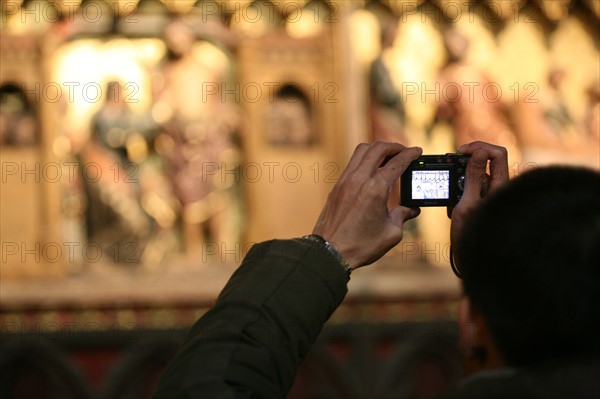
(434, 180)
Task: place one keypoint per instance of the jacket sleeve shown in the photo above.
(262, 325)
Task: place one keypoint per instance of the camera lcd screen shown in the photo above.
(430, 184)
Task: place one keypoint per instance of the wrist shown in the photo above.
(332, 250)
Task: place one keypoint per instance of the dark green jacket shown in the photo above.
(266, 318)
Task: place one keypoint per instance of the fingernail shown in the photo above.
(462, 147)
(415, 212)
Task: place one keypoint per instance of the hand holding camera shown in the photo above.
(478, 183)
(356, 218)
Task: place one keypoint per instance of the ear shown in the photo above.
(468, 328)
(476, 344)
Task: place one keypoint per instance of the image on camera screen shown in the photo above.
(430, 184)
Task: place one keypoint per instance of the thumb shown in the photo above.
(401, 214)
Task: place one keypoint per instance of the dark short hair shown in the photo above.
(530, 259)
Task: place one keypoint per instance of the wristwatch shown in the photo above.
(332, 251)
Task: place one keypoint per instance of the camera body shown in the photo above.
(434, 180)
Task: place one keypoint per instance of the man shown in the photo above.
(529, 258)
(271, 311)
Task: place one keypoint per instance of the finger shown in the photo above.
(475, 175)
(498, 168)
(498, 157)
(396, 166)
(355, 160)
(400, 214)
(403, 213)
(485, 185)
(377, 153)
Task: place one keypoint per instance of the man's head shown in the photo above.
(530, 259)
